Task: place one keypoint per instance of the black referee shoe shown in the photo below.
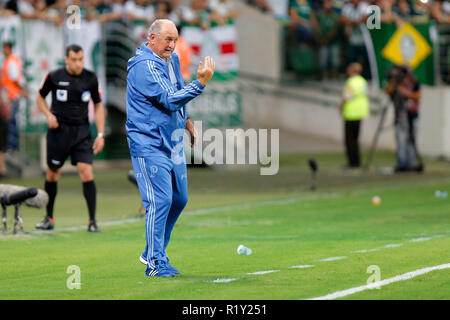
(92, 227)
(46, 224)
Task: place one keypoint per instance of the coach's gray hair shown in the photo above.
(156, 27)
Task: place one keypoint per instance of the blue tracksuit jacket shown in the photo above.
(153, 103)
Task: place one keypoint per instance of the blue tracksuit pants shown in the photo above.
(163, 188)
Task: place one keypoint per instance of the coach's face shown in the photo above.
(75, 62)
(164, 43)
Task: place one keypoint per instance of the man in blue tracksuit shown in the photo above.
(156, 119)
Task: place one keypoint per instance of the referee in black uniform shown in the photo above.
(72, 88)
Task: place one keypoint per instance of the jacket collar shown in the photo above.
(144, 53)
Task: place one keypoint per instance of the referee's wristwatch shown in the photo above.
(100, 135)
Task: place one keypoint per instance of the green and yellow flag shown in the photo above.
(408, 45)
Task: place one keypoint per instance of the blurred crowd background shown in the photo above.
(310, 13)
(319, 39)
(329, 27)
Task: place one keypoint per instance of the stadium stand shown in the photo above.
(306, 43)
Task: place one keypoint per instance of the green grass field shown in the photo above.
(335, 230)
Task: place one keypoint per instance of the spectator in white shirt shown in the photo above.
(354, 16)
(222, 11)
(140, 10)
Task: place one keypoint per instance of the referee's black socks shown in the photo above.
(90, 194)
(51, 187)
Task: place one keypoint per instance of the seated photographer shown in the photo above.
(404, 90)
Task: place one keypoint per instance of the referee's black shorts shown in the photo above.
(3, 134)
(69, 140)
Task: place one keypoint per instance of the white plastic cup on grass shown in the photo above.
(441, 194)
(243, 250)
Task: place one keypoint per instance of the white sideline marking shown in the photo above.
(364, 250)
(388, 246)
(393, 245)
(224, 280)
(262, 272)
(405, 276)
(302, 266)
(420, 239)
(332, 259)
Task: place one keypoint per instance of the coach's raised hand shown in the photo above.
(205, 70)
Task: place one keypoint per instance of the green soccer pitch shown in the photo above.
(306, 244)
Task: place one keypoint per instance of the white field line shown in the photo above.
(388, 246)
(393, 245)
(420, 239)
(402, 277)
(262, 272)
(332, 259)
(304, 266)
(396, 245)
(373, 285)
(364, 250)
(427, 238)
(224, 280)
